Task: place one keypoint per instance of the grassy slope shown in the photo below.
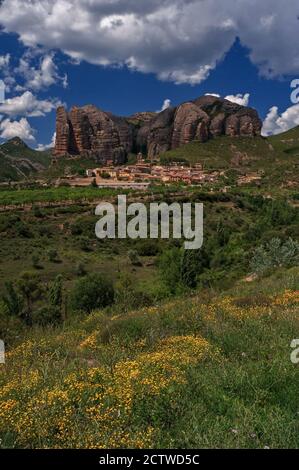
(18, 161)
(200, 372)
(272, 156)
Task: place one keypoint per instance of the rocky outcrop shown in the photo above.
(88, 130)
(91, 132)
(199, 120)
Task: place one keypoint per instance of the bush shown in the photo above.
(128, 298)
(36, 261)
(10, 326)
(170, 268)
(275, 254)
(53, 255)
(80, 270)
(134, 258)
(47, 315)
(91, 293)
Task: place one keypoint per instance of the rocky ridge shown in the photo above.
(92, 132)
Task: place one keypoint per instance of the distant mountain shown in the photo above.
(18, 161)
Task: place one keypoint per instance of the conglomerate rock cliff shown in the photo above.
(90, 131)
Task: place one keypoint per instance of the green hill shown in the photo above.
(287, 142)
(18, 161)
(275, 158)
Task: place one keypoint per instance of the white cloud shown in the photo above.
(212, 94)
(4, 60)
(43, 147)
(42, 77)
(21, 128)
(242, 100)
(178, 40)
(276, 123)
(166, 104)
(27, 105)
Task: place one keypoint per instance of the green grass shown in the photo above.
(241, 392)
(52, 195)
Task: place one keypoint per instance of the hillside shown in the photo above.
(202, 372)
(275, 158)
(287, 142)
(18, 161)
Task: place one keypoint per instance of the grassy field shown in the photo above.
(208, 371)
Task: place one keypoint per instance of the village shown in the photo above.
(143, 173)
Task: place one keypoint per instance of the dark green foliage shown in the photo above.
(275, 254)
(170, 268)
(53, 255)
(134, 258)
(12, 299)
(128, 298)
(55, 294)
(80, 270)
(46, 315)
(36, 261)
(92, 292)
(148, 247)
(30, 288)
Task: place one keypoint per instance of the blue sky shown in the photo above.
(117, 75)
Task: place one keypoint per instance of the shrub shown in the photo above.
(148, 248)
(12, 300)
(128, 298)
(84, 244)
(53, 255)
(275, 254)
(170, 268)
(92, 292)
(47, 315)
(80, 270)
(134, 258)
(36, 261)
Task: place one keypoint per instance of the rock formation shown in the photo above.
(90, 131)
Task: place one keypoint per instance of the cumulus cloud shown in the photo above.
(166, 104)
(27, 105)
(242, 100)
(21, 128)
(178, 40)
(43, 147)
(42, 77)
(276, 123)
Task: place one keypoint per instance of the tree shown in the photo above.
(12, 300)
(92, 292)
(56, 292)
(274, 254)
(30, 289)
(170, 268)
